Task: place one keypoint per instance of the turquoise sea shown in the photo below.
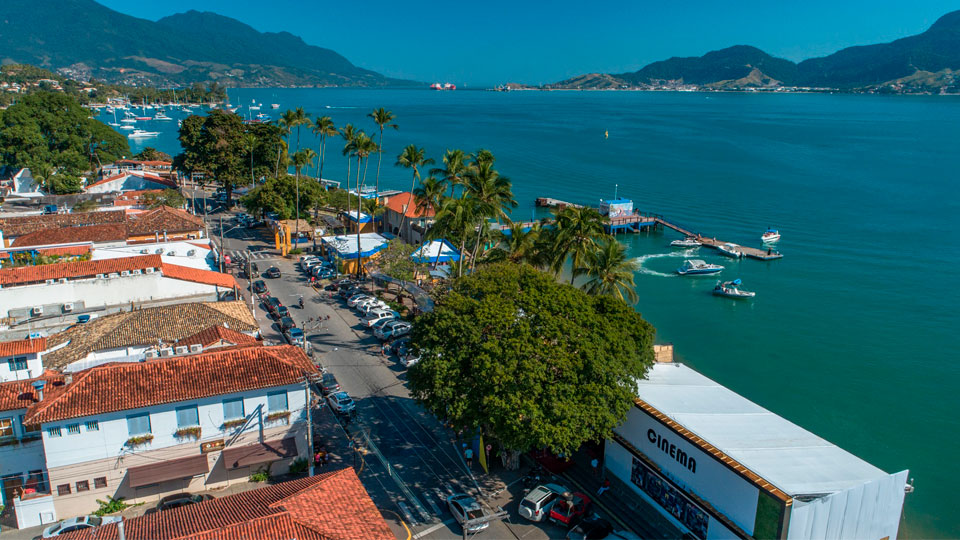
(852, 334)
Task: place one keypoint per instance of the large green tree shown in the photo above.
(280, 195)
(609, 271)
(383, 118)
(529, 362)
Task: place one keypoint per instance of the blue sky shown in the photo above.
(497, 41)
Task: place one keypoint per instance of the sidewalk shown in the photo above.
(630, 510)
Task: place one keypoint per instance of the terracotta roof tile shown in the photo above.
(108, 232)
(19, 394)
(21, 225)
(163, 219)
(23, 346)
(215, 334)
(76, 269)
(397, 202)
(141, 174)
(132, 385)
(196, 275)
(66, 250)
(147, 326)
(279, 512)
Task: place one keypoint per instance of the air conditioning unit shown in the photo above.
(124, 272)
(180, 350)
(159, 251)
(196, 348)
(51, 281)
(63, 280)
(144, 251)
(136, 272)
(166, 351)
(99, 276)
(113, 275)
(68, 307)
(171, 254)
(149, 270)
(151, 354)
(37, 311)
(191, 253)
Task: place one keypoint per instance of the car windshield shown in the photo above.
(56, 528)
(528, 504)
(94, 520)
(475, 513)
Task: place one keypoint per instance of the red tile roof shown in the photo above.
(140, 174)
(20, 225)
(19, 394)
(123, 386)
(196, 275)
(23, 346)
(329, 506)
(75, 269)
(215, 334)
(397, 202)
(149, 163)
(163, 219)
(66, 250)
(109, 232)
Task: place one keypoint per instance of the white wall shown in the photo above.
(35, 511)
(127, 183)
(34, 368)
(23, 457)
(96, 293)
(108, 441)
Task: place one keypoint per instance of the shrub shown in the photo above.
(295, 251)
(188, 432)
(299, 466)
(262, 475)
(139, 440)
(110, 506)
(230, 424)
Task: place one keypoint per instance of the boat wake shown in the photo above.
(338, 107)
(671, 254)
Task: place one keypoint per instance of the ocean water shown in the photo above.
(851, 335)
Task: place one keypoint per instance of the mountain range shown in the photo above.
(81, 38)
(925, 62)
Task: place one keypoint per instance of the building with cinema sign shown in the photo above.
(717, 465)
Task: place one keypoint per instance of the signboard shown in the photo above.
(211, 446)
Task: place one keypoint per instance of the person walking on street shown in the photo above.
(468, 456)
(595, 466)
(603, 487)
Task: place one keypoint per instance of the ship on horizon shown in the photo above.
(444, 86)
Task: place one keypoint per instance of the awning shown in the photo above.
(255, 454)
(173, 469)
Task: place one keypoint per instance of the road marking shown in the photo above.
(433, 505)
(432, 529)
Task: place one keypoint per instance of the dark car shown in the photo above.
(282, 312)
(181, 499)
(327, 273)
(259, 287)
(592, 528)
(287, 322)
(254, 271)
(347, 292)
(329, 384)
(272, 303)
(272, 272)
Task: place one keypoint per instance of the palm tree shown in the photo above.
(348, 133)
(323, 127)
(610, 271)
(518, 244)
(455, 219)
(577, 229)
(298, 118)
(301, 159)
(412, 158)
(454, 168)
(428, 196)
(492, 193)
(43, 172)
(383, 118)
(285, 123)
(362, 147)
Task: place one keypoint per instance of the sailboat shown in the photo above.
(114, 123)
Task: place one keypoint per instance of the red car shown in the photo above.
(567, 511)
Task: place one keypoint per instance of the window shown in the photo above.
(53, 432)
(138, 424)
(93, 425)
(100, 482)
(29, 431)
(277, 401)
(233, 409)
(83, 485)
(63, 489)
(18, 363)
(73, 429)
(6, 427)
(187, 416)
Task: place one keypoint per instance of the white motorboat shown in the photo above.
(731, 289)
(688, 242)
(696, 267)
(141, 134)
(771, 236)
(274, 105)
(161, 116)
(126, 126)
(730, 250)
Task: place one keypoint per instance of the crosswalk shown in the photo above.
(235, 254)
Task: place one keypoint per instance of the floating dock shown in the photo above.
(768, 254)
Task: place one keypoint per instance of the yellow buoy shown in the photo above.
(606, 134)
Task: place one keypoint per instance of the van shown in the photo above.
(536, 505)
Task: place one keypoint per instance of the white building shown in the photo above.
(197, 254)
(717, 465)
(130, 181)
(34, 292)
(21, 359)
(148, 429)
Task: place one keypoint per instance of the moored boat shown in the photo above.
(730, 250)
(161, 116)
(139, 134)
(696, 267)
(772, 235)
(731, 289)
(688, 242)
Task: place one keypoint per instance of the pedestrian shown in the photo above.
(321, 456)
(468, 455)
(603, 487)
(316, 459)
(595, 465)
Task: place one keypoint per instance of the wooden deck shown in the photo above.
(769, 254)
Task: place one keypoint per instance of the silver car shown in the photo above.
(465, 508)
(77, 524)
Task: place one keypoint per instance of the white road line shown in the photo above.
(434, 528)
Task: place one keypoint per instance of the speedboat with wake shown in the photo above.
(141, 134)
(771, 236)
(688, 242)
(730, 250)
(731, 289)
(696, 267)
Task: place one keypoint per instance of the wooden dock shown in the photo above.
(769, 254)
(547, 202)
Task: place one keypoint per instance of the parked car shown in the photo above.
(272, 303)
(365, 306)
(327, 273)
(400, 346)
(77, 524)
(259, 286)
(393, 330)
(591, 528)
(380, 324)
(287, 322)
(536, 505)
(272, 272)
(376, 315)
(341, 402)
(254, 271)
(359, 297)
(569, 509)
(181, 499)
(294, 336)
(343, 283)
(465, 508)
(282, 312)
(309, 264)
(409, 358)
(328, 384)
(348, 291)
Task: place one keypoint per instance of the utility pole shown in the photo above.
(223, 248)
(306, 391)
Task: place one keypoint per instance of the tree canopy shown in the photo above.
(280, 195)
(530, 362)
(53, 132)
(152, 154)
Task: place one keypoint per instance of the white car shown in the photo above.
(536, 505)
(464, 508)
(376, 315)
(357, 298)
(341, 402)
(77, 524)
(381, 323)
(393, 329)
(409, 358)
(366, 307)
